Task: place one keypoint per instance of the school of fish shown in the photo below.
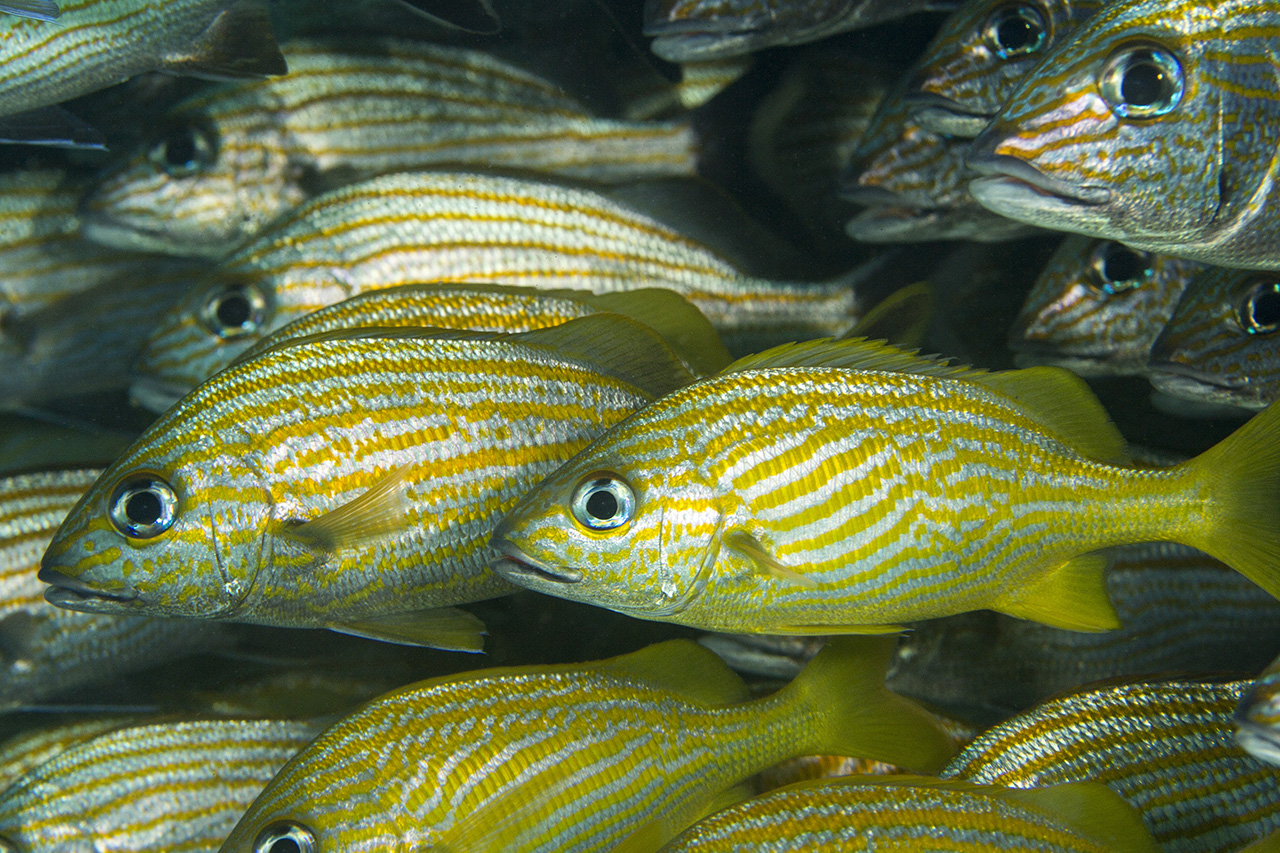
(731, 426)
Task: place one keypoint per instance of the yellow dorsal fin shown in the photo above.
(379, 511)
(1062, 403)
(901, 318)
(749, 546)
(619, 346)
(683, 667)
(1072, 596)
(1266, 844)
(439, 628)
(855, 354)
(673, 317)
(1093, 811)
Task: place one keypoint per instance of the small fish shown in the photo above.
(177, 785)
(919, 813)
(1257, 717)
(97, 43)
(685, 30)
(1166, 747)
(579, 757)
(979, 56)
(455, 227)
(45, 650)
(225, 162)
(1220, 345)
(1098, 306)
(349, 482)
(1152, 129)
(848, 486)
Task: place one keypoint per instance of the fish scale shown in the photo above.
(349, 111)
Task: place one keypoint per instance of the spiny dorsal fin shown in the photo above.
(684, 668)
(440, 628)
(237, 45)
(679, 322)
(376, 512)
(853, 354)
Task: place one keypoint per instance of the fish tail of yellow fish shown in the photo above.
(1240, 478)
(849, 711)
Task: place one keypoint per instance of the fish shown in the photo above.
(834, 487)
(349, 481)
(177, 785)
(453, 227)
(510, 310)
(97, 43)
(906, 813)
(1219, 347)
(29, 749)
(1166, 747)
(45, 651)
(685, 30)
(1256, 716)
(1098, 306)
(225, 162)
(980, 54)
(576, 757)
(1153, 130)
(650, 96)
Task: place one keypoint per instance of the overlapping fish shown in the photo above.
(847, 486)
(575, 758)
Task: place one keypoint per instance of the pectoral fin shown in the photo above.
(41, 10)
(749, 546)
(1073, 596)
(442, 628)
(50, 126)
(471, 16)
(378, 512)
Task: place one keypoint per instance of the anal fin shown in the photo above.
(1073, 596)
(441, 628)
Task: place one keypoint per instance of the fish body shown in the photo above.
(920, 813)
(348, 482)
(164, 786)
(832, 487)
(226, 162)
(1258, 715)
(1098, 306)
(704, 29)
(1165, 747)
(29, 749)
(97, 43)
(1220, 345)
(576, 758)
(45, 650)
(1152, 129)
(465, 228)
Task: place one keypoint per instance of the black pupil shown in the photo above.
(1120, 264)
(1015, 32)
(284, 845)
(143, 508)
(602, 505)
(1265, 306)
(180, 148)
(1144, 83)
(233, 310)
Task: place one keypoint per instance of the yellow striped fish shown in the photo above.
(918, 813)
(226, 162)
(175, 786)
(1165, 747)
(97, 43)
(348, 482)
(849, 486)
(575, 758)
(466, 228)
(45, 650)
(29, 749)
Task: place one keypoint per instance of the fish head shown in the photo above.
(1119, 133)
(981, 53)
(176, 527)
(1222, 344)
(1098, 306)
(198, 187)
(224, 314)
(1257, 717)
(685, 30)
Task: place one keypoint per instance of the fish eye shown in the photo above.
(1016, 30)
(1142, 82)
(285, 836)
(184, 150)
(1114, 268)
(233, 312)
(603, 501)
(1260, 311)
(142, 506)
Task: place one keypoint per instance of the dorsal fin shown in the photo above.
(679, 322)
(683, 667)
(854, 354)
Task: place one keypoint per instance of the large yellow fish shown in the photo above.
(850, 486)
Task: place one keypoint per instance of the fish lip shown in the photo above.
(1007, 171)
(1166, 374)
(1083, 363)
(73, 594)
(940, 114)
(155, 395)
(514, 563)
(874, 197)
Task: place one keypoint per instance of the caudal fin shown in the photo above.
(844, 687)
(1243, 475)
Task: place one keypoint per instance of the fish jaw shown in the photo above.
(540, 576)
(1014, 188)
(940, 114)
(71, 594)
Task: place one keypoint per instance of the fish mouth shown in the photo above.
(1186, 385)
(516, 566)
(72, 594)
(1009, 184)
(939, 114)
(155, 395)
